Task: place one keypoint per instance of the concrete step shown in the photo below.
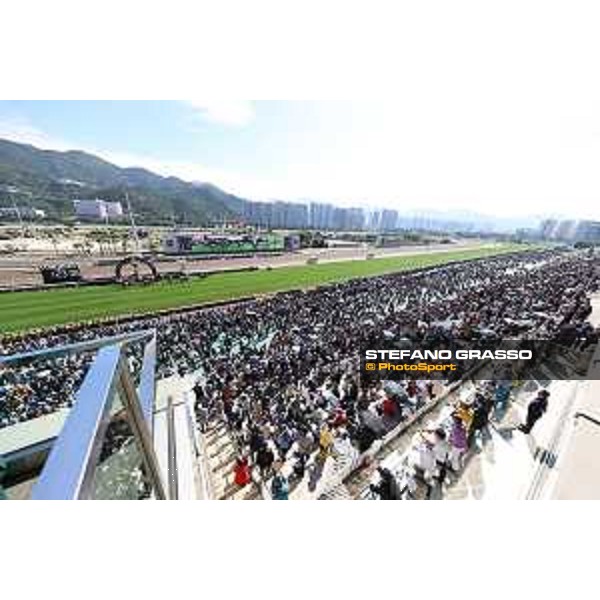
(339, 492)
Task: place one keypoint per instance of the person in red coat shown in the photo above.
(339, 417)
(241, 472)
(389, 407)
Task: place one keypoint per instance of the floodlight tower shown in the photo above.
(133, 226)
(18, 213)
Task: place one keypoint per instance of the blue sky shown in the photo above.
(254, 148)
(487, 151)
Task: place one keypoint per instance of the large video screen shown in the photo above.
(245, 245)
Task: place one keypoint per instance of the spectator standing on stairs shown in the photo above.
(481, 417)
(241, 472)
(441, 451)
(325, 441)
(536, 409)
(501, 396)
(264, 459)
(387, 488)
(458, 442)
(280, 488)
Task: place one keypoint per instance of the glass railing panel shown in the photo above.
(35, 400)
(99, 398)
(120, 472)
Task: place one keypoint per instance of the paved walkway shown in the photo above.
(510, 464)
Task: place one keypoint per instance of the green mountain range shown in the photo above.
(51, 180)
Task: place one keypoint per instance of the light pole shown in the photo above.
(18, 213)
(132, 221)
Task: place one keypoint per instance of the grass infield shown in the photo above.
(22, 311)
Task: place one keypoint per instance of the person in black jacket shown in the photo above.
(481, 419)
(387, 488)
(265, 459)
(537, 407)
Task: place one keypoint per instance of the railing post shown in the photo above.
(141, 430)
(70, 464)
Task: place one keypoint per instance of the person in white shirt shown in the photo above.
(422, 459)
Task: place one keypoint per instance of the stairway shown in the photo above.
(220, 455)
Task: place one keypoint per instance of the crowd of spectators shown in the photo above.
(437, 453)
(283, 371)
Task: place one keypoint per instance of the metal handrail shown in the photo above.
(172, 451)
(15, 360)
(147, 386)
(582, 415)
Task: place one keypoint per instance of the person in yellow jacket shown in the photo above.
(325, 441)
(465, 412)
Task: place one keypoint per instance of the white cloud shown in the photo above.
(20, 130)
(190, 171)
(485, 149)
(235, 113)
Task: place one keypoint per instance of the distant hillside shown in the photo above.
(50, 180)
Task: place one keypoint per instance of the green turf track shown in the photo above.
(21, 311)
